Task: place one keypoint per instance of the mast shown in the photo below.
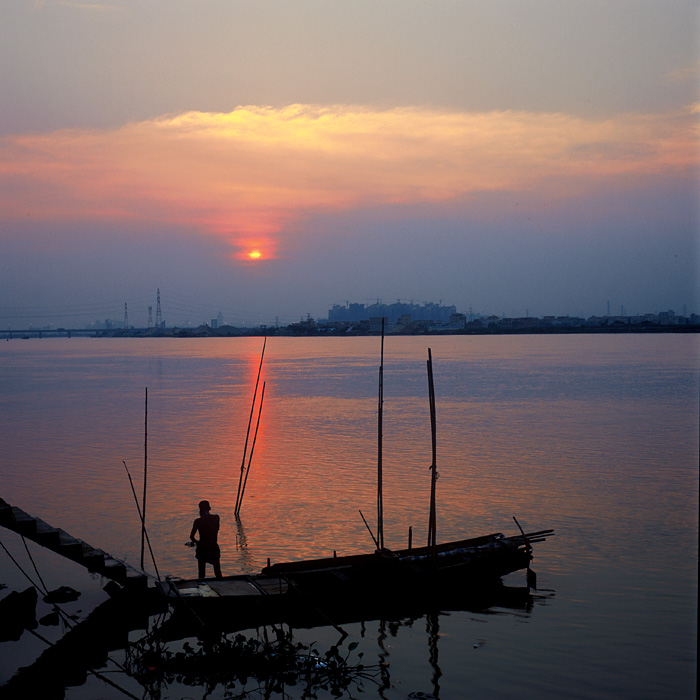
(432, 520)
(380, 409)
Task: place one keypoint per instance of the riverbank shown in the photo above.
(349, 331)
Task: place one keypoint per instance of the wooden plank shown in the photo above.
(233, 587)
(274, 585)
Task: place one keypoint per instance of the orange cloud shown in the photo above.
(246, 174)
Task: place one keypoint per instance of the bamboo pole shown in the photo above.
(432, 519)
(369, 529)
(145, 476)
(380, 435)
(237, 512)
(247, 435)
(143, 524)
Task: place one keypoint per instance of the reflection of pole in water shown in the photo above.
(241, 539)
(432, 625)
(245, 556)
(383, 659)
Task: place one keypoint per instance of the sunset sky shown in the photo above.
(267, 159)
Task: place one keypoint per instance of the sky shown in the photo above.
(266, 159)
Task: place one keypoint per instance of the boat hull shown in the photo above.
(355, 587)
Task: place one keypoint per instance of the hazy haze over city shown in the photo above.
(269, 159)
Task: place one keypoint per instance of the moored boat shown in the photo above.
(463, 565)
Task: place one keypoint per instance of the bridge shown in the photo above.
(14, 334)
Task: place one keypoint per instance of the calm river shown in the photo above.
(595, 436)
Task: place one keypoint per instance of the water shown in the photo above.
(594, 436)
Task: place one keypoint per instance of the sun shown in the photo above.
(254, 250)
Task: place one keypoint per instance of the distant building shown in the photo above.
(375, 324)
(354, 313)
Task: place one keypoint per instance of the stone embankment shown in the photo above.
(59, 541)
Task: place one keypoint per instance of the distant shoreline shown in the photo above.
(321, 332)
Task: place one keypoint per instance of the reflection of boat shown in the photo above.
(222, 657)
(192, 617)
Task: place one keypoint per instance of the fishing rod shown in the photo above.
(237, 512)
(247, 435)
(143, 524)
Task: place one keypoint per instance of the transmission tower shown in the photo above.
(150, 317)
(126, 317)
(159, 315)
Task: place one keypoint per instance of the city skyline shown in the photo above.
(518, 157)
(140, 317)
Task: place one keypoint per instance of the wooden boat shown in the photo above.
(463, 567)
(471, 563)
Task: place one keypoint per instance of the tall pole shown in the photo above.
(145, 477)
(380, 410)
(239, 501)
(247, 435)
(432, 520)
(138, 508)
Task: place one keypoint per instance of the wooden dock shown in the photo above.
(59, 541)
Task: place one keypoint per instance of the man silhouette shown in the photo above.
(208, 552)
